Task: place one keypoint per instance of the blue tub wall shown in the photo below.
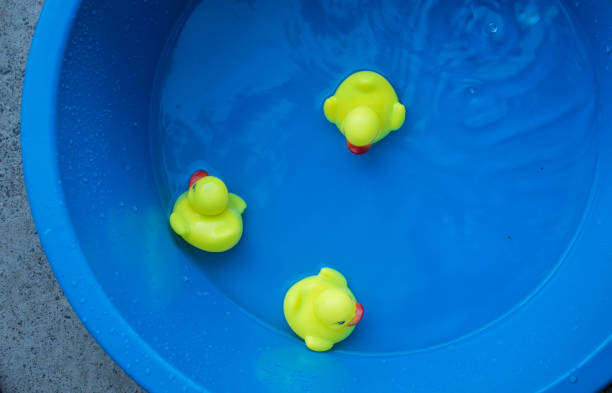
(119, 210)
(103, 120)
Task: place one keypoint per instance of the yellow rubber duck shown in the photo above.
(365, 108)
(207, 216)
(322, 310)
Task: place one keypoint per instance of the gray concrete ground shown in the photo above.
(43, 346)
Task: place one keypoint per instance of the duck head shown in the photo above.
(336, 309)
(207, 195)
(361, 127)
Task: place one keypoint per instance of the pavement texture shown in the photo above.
(43, 345)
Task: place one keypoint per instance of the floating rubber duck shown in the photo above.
(207, 216)
(365, 108)
(322, 310)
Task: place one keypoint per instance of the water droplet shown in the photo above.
(577, 4)
(82, 300)
(609, 49)
(492, 27)
(185, 278)
(74, 283)
(471, 90)
(228, 313)
(128, 366)
(147, 371)
(135, 208)
(573, 379)
(85, 319)
(155, 339)
(121, 203)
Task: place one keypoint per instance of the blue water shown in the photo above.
(441, 228)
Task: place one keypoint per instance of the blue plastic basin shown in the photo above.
(477, 237)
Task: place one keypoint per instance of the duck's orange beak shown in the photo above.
(197, 175)
(357, 149)
(358, 314)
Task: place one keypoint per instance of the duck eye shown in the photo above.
(193, 187)
(341, 323)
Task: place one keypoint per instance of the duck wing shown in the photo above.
(236, 203)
